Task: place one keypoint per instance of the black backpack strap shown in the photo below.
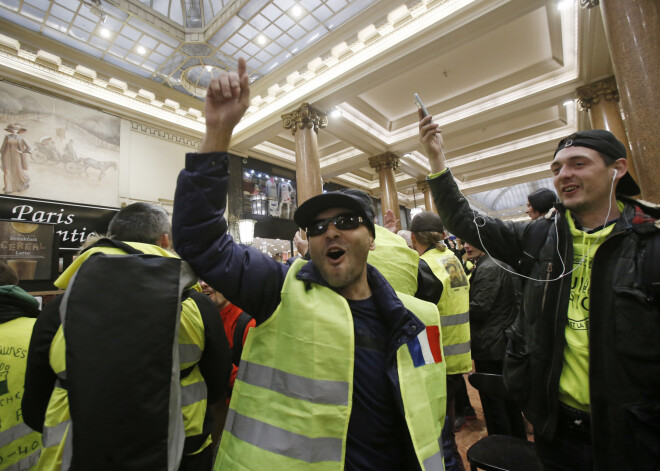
(117, 244)
(239, 332)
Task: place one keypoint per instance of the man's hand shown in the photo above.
(390, 222)
(301, 244)
(430, 136)
(227, 98)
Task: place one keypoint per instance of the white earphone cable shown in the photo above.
(563, 264)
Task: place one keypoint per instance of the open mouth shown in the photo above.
(569, 189)
(335, 253)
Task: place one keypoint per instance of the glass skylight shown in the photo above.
(266, 33)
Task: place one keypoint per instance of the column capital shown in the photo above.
(589, 3)
(305, 117)
(423, 186)
(386, 160)
(591, 94)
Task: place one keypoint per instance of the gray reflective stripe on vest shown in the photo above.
(26, 463)
(434, 462)
(283, 442)
(189, 353)
(320, 391)
(67, 451)
(14, 433)
(456, 349)
(455, 319)
(193, 393)
(53, 435)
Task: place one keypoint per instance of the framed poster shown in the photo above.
(57, 150)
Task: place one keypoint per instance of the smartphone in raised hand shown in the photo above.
(420, 105)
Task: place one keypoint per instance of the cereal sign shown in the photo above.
(28, 248)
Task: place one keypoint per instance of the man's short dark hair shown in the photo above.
(140, 222)
(8, 275)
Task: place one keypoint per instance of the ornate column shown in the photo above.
(633, 36)
(601, 100)
(423, 186)
(304, 124)
(385, 164)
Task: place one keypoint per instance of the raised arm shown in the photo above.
(247, 278)
(502, 239)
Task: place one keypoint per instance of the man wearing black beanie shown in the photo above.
(583, 359)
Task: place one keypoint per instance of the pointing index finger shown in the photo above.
(242, 67)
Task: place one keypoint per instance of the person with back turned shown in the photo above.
(124, 368)
(20, 446)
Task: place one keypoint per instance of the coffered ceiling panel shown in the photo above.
(499, 76)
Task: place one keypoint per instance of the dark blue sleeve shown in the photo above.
(246, 277)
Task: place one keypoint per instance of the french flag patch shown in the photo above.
(425, 348)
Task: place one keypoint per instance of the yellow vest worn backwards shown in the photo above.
(454, 308)
(292, 398)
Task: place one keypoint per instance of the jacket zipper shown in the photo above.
(545, 288)
(559, 293)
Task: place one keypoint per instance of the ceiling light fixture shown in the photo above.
(141, 50)
(568, 103)
(335, 113)
(563, 4)
(297, 11)
(96, 9)
(261, 39)
(105, 32)
(208, 68)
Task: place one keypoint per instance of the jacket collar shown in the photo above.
(637, 215)
(396, 316)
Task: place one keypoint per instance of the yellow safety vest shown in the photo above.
(19, 444)
(193, 387)
(454, 308)
(397, 262)
(292, 398)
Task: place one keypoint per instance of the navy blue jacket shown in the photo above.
(248, 278)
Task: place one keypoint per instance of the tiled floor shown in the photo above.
(473, 430)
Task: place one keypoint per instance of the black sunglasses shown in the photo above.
(343, 222)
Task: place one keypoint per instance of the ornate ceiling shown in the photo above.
(498, 75)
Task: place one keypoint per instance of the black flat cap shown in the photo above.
(606, 143)
(307, 213)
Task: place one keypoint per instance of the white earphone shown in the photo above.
(564, 268)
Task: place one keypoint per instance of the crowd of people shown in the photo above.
(352, 355)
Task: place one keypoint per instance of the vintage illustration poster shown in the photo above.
(56, 150)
